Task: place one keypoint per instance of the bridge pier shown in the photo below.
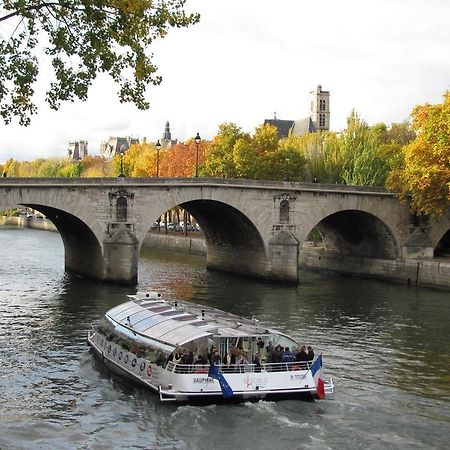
(283, 257)
(120, 254)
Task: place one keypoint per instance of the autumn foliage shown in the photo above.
(424, 173)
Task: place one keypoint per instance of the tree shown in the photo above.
(179, 160)
(82, 38)
(321, 154)
(219, 152)
(362, 164)
(425, 175)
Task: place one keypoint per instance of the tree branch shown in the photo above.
(31, 8)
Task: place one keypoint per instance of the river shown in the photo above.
(387, 347)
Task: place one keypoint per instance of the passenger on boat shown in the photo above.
(129, 322)
(260, 343)
(187, 357)
(230, 358)
(287, 356)
(257, 362)
(310, 353)
(175, 356)
(211, 353)
(242, 363)
(160, 359)
(276, 354)
(302, 356)
(216, 357)
(201, 360)
(269, 350)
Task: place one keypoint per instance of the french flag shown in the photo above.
(316, 370)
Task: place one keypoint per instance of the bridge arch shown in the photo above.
(233, 242)
(443, 246)
(82, 250)
(357, 233)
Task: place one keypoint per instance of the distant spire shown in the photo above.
(275, 115)
(167, 136)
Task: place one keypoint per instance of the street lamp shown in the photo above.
(79, 167)
(197, 142)
(121, 153)
(158, 148)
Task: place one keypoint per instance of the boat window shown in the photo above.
(120, 308)
(159, 308)
(187, 317)
(170, 313)
(150, 322)
(120, 316)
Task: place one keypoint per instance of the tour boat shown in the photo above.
(192, 353)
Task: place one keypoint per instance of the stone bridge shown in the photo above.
(257, 228)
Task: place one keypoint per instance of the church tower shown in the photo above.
(320, 108)
(166, 140)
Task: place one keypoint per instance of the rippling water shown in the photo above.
(387, 347)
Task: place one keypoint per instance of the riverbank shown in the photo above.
(425, 272)
(36, 223)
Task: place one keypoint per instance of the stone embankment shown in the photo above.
(192, 244)
(28, 222)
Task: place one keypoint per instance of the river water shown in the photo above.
(386, 346)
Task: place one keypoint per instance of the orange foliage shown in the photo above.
(179, 161)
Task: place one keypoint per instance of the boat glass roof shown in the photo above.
(180, 322)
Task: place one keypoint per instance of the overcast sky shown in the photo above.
(247, 59)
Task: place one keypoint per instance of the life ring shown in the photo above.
(142, 366)
(120, 355)
(134, 362)
(149, 370)
(126, 359)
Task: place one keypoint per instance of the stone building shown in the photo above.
(114, 145)
(319, 117)
(77, 150)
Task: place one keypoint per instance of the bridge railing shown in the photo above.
(230, 182)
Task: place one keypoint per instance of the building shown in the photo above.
(114, 145)
(166, 139)
(77, 150)
(319, 117)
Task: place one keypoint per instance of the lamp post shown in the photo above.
(121, 153)
(197, 142)
(158, 148)
(79, 167)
